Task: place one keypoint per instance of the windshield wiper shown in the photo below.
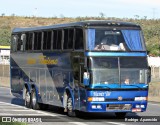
(106, 86)
(134, 85)
(103, 82)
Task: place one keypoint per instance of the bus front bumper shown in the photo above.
(118, 106)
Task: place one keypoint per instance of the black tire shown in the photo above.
(27, 99)
(70, 111)
(120, 115)
(78, 114)
(43, 106)
(34, 104)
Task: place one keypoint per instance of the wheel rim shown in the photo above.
(69, 104)
(34, 99)
(27, 97)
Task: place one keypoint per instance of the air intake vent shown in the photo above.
(119, 107)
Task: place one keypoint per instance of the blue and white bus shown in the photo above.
(88, 66)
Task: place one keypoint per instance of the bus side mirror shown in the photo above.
(86, 78)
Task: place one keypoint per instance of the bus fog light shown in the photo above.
(137, 106)
(142, 106)
(93, 106)
(99, 107)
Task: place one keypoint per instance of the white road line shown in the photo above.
(12, 105)
(4, 87)
(19, 110)
(4, 93)
(1, 104)
(8, 105)
(115, 123)
(154, 104)
(44, 113)
(9, 114)
(11, 108)
(78, 123)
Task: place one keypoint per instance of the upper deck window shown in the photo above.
(68, 38)
(29, 40)
(37, 40)
(79, 39)
(47, 40)
(115, 40)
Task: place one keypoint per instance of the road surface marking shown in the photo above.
(44, 113)
(4, 93)
(4, 87)
(115, 123)
(9, 114)
(15, 110)
(11, 104)
(15, 106)
(78, 123)
(154, 104)
(41, 113)
(22, 110)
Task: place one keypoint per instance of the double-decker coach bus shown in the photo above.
(88, 66)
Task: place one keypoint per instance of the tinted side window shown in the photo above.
(47, 40)
(79, 39)
(19, 42)
(37, 40)
(55, 35)
(29, 39)
(76, 69)
(68, 39)
(59, 39)
(66, 33)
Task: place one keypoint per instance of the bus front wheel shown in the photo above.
(120, 114)
(34, 103)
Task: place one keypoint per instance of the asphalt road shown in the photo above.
(13, 109)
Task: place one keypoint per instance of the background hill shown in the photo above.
(151, 27)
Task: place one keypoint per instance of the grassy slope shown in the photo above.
(151, 28)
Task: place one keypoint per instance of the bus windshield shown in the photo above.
(122, 70)
(115, 40)
(104, 70)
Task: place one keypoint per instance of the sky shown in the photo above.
(82, 8)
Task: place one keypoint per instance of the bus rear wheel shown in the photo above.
(34, 103)
(27, 99)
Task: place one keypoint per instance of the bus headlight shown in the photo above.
(98, 99)
(141, 98)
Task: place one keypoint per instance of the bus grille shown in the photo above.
(118, 107)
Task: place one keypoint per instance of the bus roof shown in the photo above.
(81, 24)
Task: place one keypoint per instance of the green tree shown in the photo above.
(5, 36)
